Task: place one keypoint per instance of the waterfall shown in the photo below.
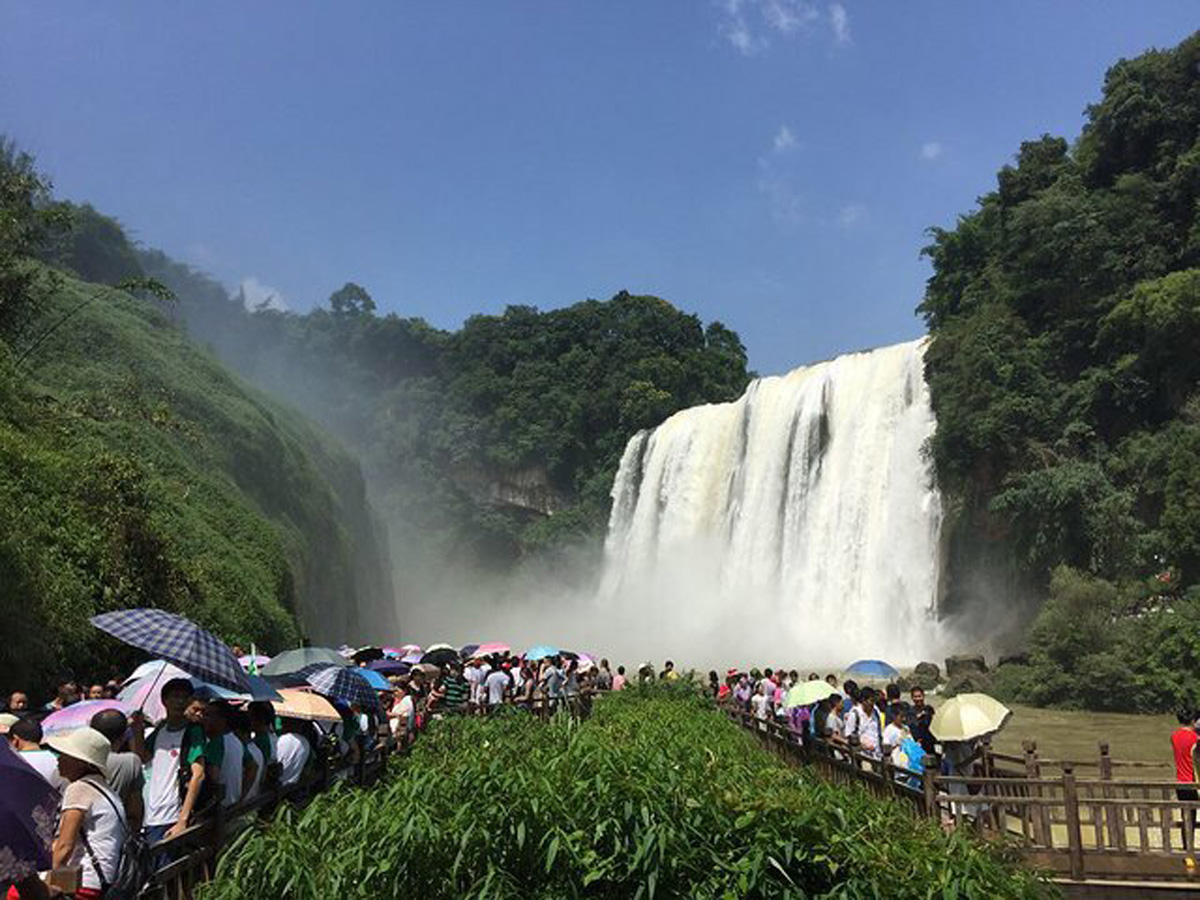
(798, 524)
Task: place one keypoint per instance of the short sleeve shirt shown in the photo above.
(102, 823)
(163, 802)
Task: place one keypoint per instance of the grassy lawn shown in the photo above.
(1074, 735)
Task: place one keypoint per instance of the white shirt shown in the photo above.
(402, 715)
(866, 726)
(104, 825)
(231, 768)
(255, 754)
(292, 753)
(496, 683)
(892, 736)
(760, 703)
(163, 803)
(46, 764)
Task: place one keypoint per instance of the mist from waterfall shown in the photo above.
(797, 525)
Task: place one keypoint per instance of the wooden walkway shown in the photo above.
(1099, 835)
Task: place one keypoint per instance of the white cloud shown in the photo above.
(777, 177)
(255, 294)
(784, 141)
(851, 214)
(839, 21)
(749, 25)
(931, 150)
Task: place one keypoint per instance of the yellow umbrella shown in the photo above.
(298, 704)
(968, 716)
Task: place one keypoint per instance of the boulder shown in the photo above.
(1014, 659)
(968, 683)
(928, 671)
(966, 664)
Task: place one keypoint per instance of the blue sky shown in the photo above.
(771, 163)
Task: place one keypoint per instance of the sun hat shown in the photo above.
(85, 744)
(7, 720)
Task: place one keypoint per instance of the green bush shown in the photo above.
(656, 795)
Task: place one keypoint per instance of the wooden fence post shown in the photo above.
(1039, 815)
(1074, 831)
(929, 788)
(1113, 813)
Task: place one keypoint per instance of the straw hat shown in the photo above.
(7, 721)
(85, 744)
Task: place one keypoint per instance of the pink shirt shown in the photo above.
(618, 682)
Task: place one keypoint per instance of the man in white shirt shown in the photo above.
(25, 737)
(498, 685)
(474, 676)
(292, 751)
(862, 722)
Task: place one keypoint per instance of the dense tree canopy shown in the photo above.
(1064, 369)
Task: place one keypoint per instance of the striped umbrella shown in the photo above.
(176, 640)
(342, 683)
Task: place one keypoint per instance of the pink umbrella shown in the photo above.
(257, 660)
(79, 715)
(412, 657)
(490, 648)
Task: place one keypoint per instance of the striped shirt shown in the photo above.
(456, 691)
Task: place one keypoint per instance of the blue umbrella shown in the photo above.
(28, 816)
(541, 651)
(260, 689)
(176, 640)
(341, 683)
(872, 668)
(375, 679)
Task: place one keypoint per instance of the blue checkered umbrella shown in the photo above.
(341, 683)
(177, 640)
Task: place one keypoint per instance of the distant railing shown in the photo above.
(1080, 829)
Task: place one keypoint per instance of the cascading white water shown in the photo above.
(797, 524)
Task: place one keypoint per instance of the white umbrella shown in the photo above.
(968, 716)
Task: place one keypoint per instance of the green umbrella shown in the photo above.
(807, 693)
(968, 716)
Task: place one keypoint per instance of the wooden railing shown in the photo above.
(1081, 829)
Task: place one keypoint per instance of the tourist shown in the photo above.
(920, 717)
(497, 686)
(7, 720)
(668, 673)
(571, 678)
(225, 754)
(18, 703)
(862, 725)
(66, 695)
(760, 703)
(96, 692)
(457, 689)
(850, 692)
(92, 829)
(894, 704)
(293, 752)
(552, 680)
(254, 764)
(618, 682)
(175, 751)
(25, 737)
(894, 732)
(473, 673)
(124, 772)
(833, 727)
(604, 677)
(831, 680)
(1184, 745)
(403, 714)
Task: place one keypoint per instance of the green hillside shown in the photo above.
(135, 470)
(1065, 374)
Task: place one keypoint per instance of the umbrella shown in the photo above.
(295, 660)
(412, 657)
(568, 654)
(297, 704)
(144, 691)
(393, 652)
(366, 654)
(440, 656)
(968, 716)
(806, 693)
(28, 815)
(872, 668)
(260, 689)
(492, 647)
(441, 646)
(178, 640)
(79, 715)
(375, 679)
(257, 660)
(469, 650)
(389, 667)
(427, 669)
(541, 651)
(341, 683)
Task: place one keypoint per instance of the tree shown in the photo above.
(351, 300)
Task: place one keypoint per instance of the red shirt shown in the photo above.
(1184, 741)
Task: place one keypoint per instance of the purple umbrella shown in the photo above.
(28, 816)
(389, 667)
(79, 715)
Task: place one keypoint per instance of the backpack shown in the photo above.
(134, 865)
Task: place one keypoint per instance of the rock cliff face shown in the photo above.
(528, 489)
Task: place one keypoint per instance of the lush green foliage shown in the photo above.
(477, 434)
(134, 471)
(656, 795)
(1064, 370)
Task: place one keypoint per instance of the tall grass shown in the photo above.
(655, 796)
